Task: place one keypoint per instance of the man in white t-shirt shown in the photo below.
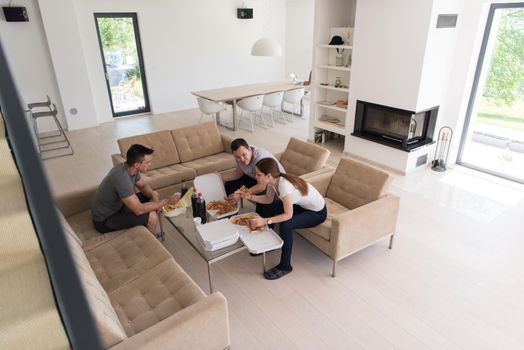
(247, 157)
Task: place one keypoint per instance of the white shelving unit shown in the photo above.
(332, 17)
(333, 67)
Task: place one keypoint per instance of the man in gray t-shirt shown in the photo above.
(247, 157)
(115, 204)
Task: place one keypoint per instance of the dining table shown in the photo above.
(233, 94)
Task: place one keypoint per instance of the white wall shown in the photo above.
(389, 48)
(299, 37)
(187, 45)
(64, 39)
(439, 56)
(25, 47)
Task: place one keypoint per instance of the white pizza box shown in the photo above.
(260, 241)
(217, 234)
(212, 188)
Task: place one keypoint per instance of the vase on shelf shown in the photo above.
(339, 60)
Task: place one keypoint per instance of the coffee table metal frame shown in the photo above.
(185, 226)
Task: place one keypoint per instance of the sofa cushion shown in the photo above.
(197, 141)
(126, 257)
(169, 175)
(355, 183)
(324, 229)
(149, 299)
(161, 141)
(106, 320)
(301, 157)
(82, 225)
(216, 162)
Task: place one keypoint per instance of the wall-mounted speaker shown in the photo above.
(447, 21)
(244, 13)
(15, 14)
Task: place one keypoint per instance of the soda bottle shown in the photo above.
(201, 204)
(194, 207)
(183, 190)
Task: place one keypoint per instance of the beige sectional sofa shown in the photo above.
(139, 296)
(181, 155)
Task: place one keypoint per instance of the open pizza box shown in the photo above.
(212, 189)
(257, 241)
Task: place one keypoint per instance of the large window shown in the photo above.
(493, 137)
(123, 64)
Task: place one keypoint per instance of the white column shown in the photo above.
(63, 37)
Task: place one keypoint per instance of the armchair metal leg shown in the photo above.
(391, 241)
(334, 274)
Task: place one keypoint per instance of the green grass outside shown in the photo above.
(509, 117)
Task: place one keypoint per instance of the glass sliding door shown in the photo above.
(493, 136)
(119, 41)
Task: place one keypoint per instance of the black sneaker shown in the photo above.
(276, 273)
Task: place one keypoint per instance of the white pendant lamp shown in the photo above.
(266, 47)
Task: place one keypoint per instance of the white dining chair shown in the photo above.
(293, 97)
(252, 105)
(208, 107)
(274, 103)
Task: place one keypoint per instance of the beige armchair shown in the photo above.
(301, 158)
(360, 211)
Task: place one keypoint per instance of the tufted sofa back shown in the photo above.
(106, 319)
(194, 142)
(161, 141)
(355, 183)
(301, 157)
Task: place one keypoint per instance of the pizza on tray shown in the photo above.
(245, 220)
(223, 206)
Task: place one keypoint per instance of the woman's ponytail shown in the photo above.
(270, 166)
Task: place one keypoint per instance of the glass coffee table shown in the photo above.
(184, 224)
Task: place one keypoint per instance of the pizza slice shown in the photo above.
(242, 190)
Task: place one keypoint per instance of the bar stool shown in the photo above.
(59, 140)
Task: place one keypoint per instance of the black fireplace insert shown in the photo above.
(394, 127)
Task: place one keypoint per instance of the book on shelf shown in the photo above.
(331, 120)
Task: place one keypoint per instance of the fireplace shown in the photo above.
(394, 127)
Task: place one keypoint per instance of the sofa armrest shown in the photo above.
(117, 158)
(203, 325)
(362, 226)
(75, 202)
(320, 179)
(226, 142)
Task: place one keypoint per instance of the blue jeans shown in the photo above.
(302, 218)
